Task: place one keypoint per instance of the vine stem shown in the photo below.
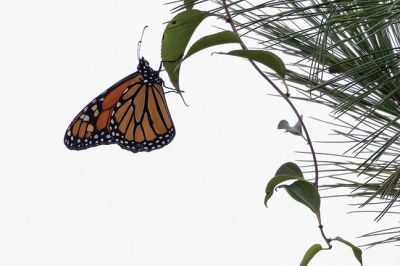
(321, 229)
(284, 96)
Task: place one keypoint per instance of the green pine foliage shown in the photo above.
(346, 56)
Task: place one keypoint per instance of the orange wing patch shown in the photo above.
(148, 131)
(129, 93)
(112, 98)
(139, 136)
(155, 115)
(121, 111)
(129, 132)
(126, 120)
(102, 120)
(163, 105)
(139, 103)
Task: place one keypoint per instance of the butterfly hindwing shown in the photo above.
(132, 113)
(141, 120)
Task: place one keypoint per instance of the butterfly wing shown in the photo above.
(141, 120)
(90, 126)
(132, 113)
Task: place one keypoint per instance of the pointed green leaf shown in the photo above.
(264, 57)
(356, 251)
(290, 169)
(222, 37)
(305, 193)
(175, 39)
(287, 171)
(283, 124)
(310, 253)
(295, 130)
(189, 3)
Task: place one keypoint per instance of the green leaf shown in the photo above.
(290, 169)
(264, 57)
(295, 130)
(356, 251)
(287, 171)
(276, 180)
(305, 193)
(175, 39)
(189, 3)
(310, 253)
(222, 37)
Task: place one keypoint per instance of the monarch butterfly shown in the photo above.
(132, 113)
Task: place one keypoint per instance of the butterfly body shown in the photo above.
(132, 113)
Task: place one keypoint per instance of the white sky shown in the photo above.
(198, 201)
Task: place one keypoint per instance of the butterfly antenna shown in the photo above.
(139, 45)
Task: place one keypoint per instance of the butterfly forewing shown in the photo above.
(132, 113)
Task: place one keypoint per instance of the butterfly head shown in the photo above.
(143, 61)
(144, 65)
(150, 75)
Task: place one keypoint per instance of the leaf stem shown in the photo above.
(285, 96)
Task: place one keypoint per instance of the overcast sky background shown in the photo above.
(197, 201)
